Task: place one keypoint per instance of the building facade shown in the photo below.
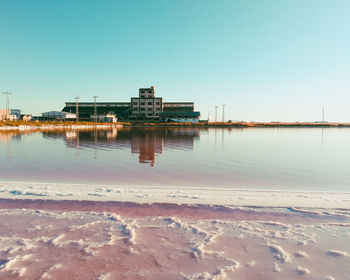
(61, 116)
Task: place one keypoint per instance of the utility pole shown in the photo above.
(7, 103)
(322, 114)
(216, 113)
(95, 109)
(77, 108)
(223, 112)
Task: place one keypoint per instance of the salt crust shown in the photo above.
(201, 235)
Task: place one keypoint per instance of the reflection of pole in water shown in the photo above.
(223, 137)
(216, 138)
(322, 136)
(9, 156)
(95, 142)
(77, 143)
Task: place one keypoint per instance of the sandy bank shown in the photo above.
(180, 195)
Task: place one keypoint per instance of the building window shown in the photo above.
(142, 91)
(142, 103)
(150, 109)
(142, 109)
(158, 103)
(150, 103)
(135, 103)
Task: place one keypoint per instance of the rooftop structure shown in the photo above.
(86, 109)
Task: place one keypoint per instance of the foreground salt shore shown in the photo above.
(57, 231)
(107, 240)
(180, 195)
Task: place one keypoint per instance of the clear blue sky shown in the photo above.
(267, 60)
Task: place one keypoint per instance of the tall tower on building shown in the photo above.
(147, 105)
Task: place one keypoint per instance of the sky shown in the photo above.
(271, 60)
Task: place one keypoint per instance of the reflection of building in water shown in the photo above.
(150, 142)
(112, 134)
(8, 137)
(147, 142)
(147, 145)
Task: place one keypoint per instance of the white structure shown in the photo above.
(27, 118)
(110, 118)
(4, 115)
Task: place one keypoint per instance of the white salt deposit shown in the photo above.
(279, 253)
(337, 253)
(276, 267)
(328, 278)
(250, 264)
(301, 254)
(302, 270)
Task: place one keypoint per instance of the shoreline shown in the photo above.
(179, 195)
(54, 126)
(23, 128)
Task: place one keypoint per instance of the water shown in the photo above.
(314, 159)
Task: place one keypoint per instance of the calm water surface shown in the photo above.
(256, 158)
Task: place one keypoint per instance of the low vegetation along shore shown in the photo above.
(20, 125)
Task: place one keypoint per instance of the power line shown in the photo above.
(77, 108)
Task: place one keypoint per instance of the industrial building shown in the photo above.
(144, 107)
(16, 112)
